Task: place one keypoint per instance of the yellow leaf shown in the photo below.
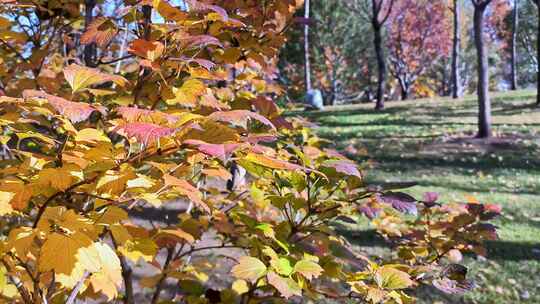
(104, 264)
(5, 199)
(140, 248)
(69, 220)
(175, 233)
(152, 198)
(57, 178)
(91, 135)
(115, 182)
(249, 268)
(389, 277)
(80, 77)
(308, 269)
(188, 93)
(111, 215)
(61, 245)
(240, 287)
(142, 181)
(20, 240)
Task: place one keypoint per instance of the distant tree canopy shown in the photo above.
(418, 41)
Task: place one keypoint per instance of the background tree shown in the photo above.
(380, 11)
(513, 46)
(484, 104)
(456, 85)
(418, 37)
(527, 44)
(537, 3)
(307, 64)
(341, 60)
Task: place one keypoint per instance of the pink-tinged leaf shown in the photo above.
(369, 212)
(199, 41)
(334, 153)
(186, 189)
(132, 114)
(255, 139)
(240, 118)
(265, 106)
(207, 64)
(210, 101)
(486, 231)
(450, 286)
(258, 149)
(198, 6)
(145, 133)
(400, 201)
(281, 123)
(222, 151)
(343, 166)
(491, 211)
(74, 111)
(431, 197)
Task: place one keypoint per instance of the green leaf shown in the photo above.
(282, 266)
(249, 269)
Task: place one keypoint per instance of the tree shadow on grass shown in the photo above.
(496, 250)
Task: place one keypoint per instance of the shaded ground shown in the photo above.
(432, 142)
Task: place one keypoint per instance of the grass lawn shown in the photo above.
(431, 141)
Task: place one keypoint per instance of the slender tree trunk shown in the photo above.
(307, 66)
(89, 53)
(381, 64)
(405, 93)
(538, 57)
(404, 88)
(456, 50)
(484, 104)
(515, 15)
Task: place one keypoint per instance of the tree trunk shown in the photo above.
(538, 57)
(456, 48)
(89, 53)
(381, 73)
(515, 15)
(405, 88)
(484, 105)
(405, 93)
(307, 66)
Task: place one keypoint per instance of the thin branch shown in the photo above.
(116, 59)
(159, 286)
(75, 291)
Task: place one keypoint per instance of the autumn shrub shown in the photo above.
(98, 144)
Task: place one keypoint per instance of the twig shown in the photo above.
(159, 287)
(126, 275)
(77, 288)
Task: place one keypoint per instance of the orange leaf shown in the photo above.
(151, 50)
(101, 31)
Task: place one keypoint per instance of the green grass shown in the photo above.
(430, 141)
